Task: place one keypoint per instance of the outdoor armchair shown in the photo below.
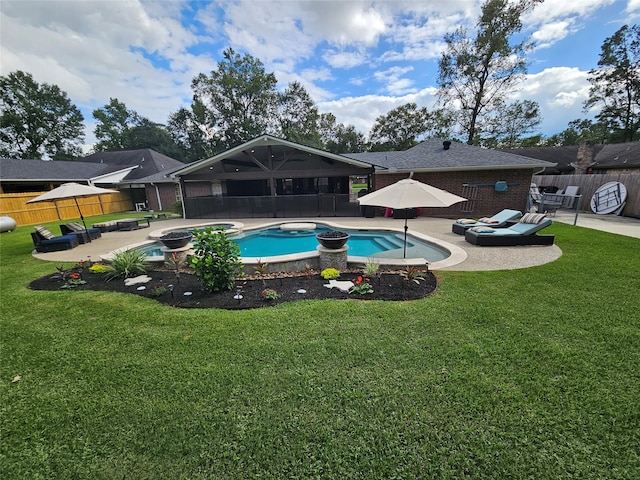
(84, 235)
(45, 241)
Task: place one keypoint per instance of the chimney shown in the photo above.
(585, 156)
(446, 144)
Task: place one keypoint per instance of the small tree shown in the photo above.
(216, 259)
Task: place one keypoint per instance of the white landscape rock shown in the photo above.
(343, 286)
(137, 280)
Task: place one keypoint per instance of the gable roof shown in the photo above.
(147, 160)
(275, 144)
(430, 155)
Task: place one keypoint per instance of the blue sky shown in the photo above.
(357, 59)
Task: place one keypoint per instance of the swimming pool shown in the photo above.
(274, 241)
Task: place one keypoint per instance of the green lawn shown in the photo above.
(533, 373)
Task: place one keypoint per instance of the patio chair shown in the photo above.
(500, 219)
(522, 233)
(84, 235)
(544, 202)
(45, 241)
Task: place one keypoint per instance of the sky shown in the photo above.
(357, 59)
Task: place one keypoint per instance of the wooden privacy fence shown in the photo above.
(588, 184)
(15, 205)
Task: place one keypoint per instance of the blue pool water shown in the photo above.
(273, 241)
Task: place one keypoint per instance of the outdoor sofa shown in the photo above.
(45, 241)
(522, 233)
(500, 219)
(84, 235)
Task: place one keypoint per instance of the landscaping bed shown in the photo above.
(186, 290)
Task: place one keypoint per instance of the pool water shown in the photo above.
(272, 241)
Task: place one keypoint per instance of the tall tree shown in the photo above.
(38, 121)
(578, 131)
(615, 84)
(475, 73)
(340, 138)
(153, 135)
(511, 123)
(240, 99)
(399, 129)
(115, 122)
(189, 130)
(298, 116)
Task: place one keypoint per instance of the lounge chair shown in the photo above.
(84, 235)
(45, 241)
(522, 233)
(498, 220)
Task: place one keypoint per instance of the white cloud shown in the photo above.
(550, 33)
(560, 91)
(393, 81)
(362, 112)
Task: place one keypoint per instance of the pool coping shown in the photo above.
(456, 254)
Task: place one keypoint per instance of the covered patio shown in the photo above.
(269, 178)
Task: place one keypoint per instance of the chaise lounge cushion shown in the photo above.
(500, 219)
(519, 234)
(53, 243)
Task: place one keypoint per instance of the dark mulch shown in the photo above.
(387, 286)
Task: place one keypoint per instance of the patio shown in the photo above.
(478, 258)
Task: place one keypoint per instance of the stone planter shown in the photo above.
(173, 240)
(332, 240)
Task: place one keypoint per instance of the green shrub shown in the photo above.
(125, 264)
(177, 208)
(330, 273)
(216, 259)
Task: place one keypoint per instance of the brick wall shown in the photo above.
(487, 200)
(167, 194)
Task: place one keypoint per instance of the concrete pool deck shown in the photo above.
(478, 258)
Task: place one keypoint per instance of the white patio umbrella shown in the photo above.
(409, 193)
(71, 190)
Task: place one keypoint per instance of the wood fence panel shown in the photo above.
(588, 184)
(15, 205)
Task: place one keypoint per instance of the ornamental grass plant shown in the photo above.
(528, 373)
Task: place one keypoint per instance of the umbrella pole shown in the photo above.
(404, 255)
(82, 218)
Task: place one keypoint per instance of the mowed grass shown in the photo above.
(531, 373)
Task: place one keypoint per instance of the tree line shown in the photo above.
(239, 100)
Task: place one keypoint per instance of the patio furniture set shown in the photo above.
(74, 234)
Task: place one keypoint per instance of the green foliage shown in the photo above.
(361, 285)
(216, 259)
(261, 267)
(399, 129)
(330, 273)
(413, 274)
(372, 267)
(38, 121)
(125, 264)
(477, 71)
(240, 97)
(177, 208)
(98, 268)
(615, 85)
(158, 291)
(269, 294)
